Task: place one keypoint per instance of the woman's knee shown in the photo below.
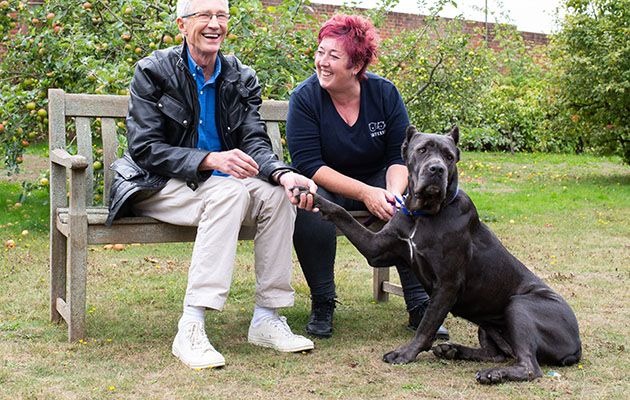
(311, 231)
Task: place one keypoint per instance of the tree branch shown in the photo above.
(428, 82)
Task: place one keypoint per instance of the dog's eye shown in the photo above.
(450, 157)
(422, 150)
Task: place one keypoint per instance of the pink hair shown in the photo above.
(358, 37)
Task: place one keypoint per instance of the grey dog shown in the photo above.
(465, 269)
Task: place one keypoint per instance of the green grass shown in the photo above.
(566, 217)
(23, 200)
(23, 209)
(39, 148)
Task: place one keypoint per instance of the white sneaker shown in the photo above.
(275, 333)
(192, 347)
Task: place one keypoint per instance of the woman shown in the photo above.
(344, 130)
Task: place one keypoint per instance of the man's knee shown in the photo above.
(227, 190)
(271, 195)
(277, 195)
(282, 202)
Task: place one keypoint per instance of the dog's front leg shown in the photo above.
(381, 249)
(442, 301)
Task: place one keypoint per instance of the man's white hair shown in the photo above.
(183, 6)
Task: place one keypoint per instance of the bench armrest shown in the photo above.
(63, 158)
(77, 165)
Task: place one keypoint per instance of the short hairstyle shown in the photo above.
(357, 36)
(183, 7)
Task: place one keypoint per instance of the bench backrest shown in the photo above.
(111, 110)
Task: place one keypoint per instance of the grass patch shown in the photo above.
(565, 217)
(24, 201)
(21, 209)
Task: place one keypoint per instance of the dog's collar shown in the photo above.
(419, 213)
(403, 209)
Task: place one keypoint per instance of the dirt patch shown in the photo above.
(30, 170)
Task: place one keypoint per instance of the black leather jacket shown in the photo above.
(162, 127)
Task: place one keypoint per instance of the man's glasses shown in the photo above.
(206, 17)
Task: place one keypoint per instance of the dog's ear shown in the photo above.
(454, 133)
(411, 130)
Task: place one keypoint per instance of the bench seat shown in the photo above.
(148, 230)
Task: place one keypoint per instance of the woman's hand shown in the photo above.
(379, 202)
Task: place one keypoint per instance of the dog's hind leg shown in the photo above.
(557, 330)
(522, 334)
(526, 369)
(489, 350)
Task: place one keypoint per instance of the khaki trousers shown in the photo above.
(218, 208)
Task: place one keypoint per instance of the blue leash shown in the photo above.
(404, 210)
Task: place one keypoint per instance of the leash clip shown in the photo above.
(403, 208)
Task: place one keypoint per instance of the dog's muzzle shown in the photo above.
(427, 188)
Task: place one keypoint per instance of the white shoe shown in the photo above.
(275, 333)
(192, 347)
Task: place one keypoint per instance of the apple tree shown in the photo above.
(592, 57)
(92, 47)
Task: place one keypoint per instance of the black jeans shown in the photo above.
(315, 244)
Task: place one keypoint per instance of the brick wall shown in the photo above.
(396, 22)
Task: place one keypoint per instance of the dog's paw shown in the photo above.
(297, 191)
(397, 357)
(490, 376)
(446, 350)
(318, 201)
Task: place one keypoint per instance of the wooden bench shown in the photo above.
(76, 220)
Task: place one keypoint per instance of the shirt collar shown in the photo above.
(196, 69)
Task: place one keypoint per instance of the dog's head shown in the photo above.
(432, 164)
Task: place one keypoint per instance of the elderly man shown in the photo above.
(199, 155)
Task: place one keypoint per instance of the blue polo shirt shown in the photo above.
(208, 135)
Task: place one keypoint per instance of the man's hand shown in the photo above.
(232, 162)
(291, 180)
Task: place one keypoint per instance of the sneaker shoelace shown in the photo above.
(280, 323)
(196, 335)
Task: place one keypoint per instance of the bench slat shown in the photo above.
(274, 134)
(274, 110)
(135, 229)
(84, 147)
(392, 288)
(110, 147)
(150, 230)
(94, 105)
(98, 215)
(63, 308)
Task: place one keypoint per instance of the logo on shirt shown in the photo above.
(377, 128)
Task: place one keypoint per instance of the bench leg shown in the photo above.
(380, 275)
(58, 249)
(77, 268)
